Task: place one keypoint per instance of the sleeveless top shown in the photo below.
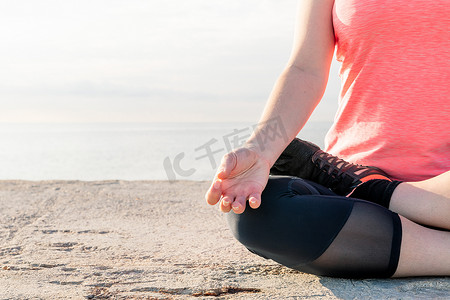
(394, 106)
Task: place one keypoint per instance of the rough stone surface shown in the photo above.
(150, 240)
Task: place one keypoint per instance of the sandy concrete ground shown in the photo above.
(150, 240)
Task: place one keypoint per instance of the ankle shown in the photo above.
(378, 191)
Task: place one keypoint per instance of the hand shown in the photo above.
(242, 176)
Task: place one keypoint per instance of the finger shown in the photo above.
(227, 200)
(229, 162)
(213, 194)
(254, 200)
(225, 204)
(238, 205)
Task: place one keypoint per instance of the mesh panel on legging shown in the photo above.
(307, 227)
(368, 245)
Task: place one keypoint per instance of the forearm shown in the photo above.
(294, 97)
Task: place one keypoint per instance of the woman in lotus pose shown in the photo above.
(325, 212)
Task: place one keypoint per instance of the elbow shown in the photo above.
(312, 80)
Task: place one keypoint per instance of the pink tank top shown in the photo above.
(394, 106)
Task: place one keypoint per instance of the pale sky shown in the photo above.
(144, 61)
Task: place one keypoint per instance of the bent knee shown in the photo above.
(292, 226)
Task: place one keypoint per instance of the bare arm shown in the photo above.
(244, 172)
(301, 85)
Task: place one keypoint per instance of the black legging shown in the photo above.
(307, 227)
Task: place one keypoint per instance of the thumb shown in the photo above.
(229, 162)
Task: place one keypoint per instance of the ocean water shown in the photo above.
(126, 151)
